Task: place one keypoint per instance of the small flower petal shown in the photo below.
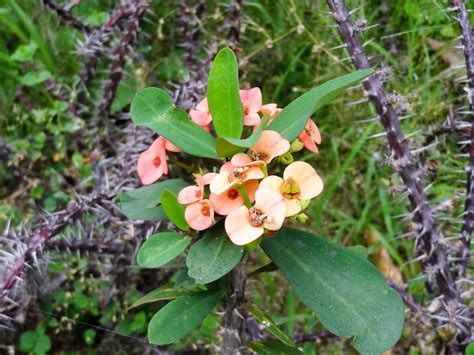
(293, 206)
(270, 145)
(272, 182)
(271, 203)
(199, 215)
(239, 227)
(189, 195)
(308, 180)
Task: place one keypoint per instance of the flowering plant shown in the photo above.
(241, 181)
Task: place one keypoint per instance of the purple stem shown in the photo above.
(468, 217)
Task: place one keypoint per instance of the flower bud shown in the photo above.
(302, 217)
(286, 158)
(296, 146)
(304, 204)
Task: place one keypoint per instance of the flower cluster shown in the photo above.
(252, 202)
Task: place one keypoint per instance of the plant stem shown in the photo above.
(244, 195)
(234, 322)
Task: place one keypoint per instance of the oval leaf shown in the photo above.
(151, 195)
(181, 316)
(161, 248)
(347, 293)
(174, 210)
(223, 95)
(292, 120)
(213, 256)
(153, 108)
(134, 209)
(163, 293)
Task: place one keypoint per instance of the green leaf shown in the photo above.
(213, 256)
(141, 203)
(161, 248)
(25, 52)
(227, 147)
(135, 209)
(270, 326)
(347, 293)
(181, 316)
(292, 120)
(470, 349)
(153, 108)
(33, 78)
(174, 210)
(35, 342)
(163, 293)
(272, 347)
(151, 195)
(223, 95)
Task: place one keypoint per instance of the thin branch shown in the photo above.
(66, 17)
(119, 54)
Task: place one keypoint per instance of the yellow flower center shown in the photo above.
(290, 189)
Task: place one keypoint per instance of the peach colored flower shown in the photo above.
(271, 110)
(201, 114)
(152, 164)
(171, 147)
(270, 145)
(231, 199)
(310, 136)
(300, 182)
(195, 193)
(252, 102)
(240, 169)
(199, 215)
(199, 212)
(245, 225)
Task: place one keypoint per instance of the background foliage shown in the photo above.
(62, 141)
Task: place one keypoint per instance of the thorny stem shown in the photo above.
(39, 237)
(234, 322)
(120, 53)
(435, 261)
(66, 16)
(468, 217)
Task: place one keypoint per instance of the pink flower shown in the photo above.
(152, 164)
(199, 213)
(271, 110)
(310, 136)
(270, 145)
(231, 199)
(300, 182)
(201, 115)
(171, 147)
(252, 102)
(240, 169)
(245, 225)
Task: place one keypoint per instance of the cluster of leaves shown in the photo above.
(348, 294)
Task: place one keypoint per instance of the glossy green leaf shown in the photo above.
(227, 147)
(153, 108)
(141, 203)
(223, 95)
(161, 248)
(292, 120)
(174, 210)
(213, 256)
(181, 316)
(25, 52)
(272, 347)
(163, 293)
(135, 209)
(269, 325)
(347, 293)
(33, 78)
(151, 195)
